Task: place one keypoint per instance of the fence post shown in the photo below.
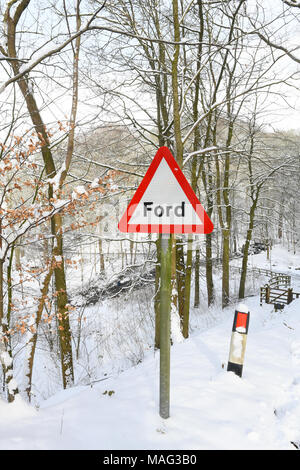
(267, 294)
(290, 295)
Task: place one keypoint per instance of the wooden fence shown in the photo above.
(275, 279)
(277, 296)
(278, 289)
(279, 280)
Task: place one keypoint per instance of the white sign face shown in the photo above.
(175, 209)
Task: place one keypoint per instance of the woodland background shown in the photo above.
(89, 91)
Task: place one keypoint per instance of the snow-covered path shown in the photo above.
(210, 408)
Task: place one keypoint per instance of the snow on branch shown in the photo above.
(292, 3)
(198, 152)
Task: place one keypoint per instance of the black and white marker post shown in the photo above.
(165, 325)
(238, 340)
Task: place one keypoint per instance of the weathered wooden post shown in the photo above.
(290, 295)
(267, 294)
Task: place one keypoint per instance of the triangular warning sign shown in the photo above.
(165, 202)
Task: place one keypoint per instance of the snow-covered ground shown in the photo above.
(210, 407)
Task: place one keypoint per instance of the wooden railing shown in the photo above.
(279, 280)
(275, 279)
(277, 291)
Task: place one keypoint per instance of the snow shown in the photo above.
(15, 412)
(241, 329)
(59, 203)
(5, 359)
(36, 58)
(210, 408)
(95, 183)
(56, 179)
(79, 190)
(12, 385)
(242, 308)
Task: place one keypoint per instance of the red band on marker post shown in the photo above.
(238, 340)
(241, 322)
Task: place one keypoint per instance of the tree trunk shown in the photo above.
(225, 268)
(197, 279)
(187, 288)
(56, 221)
(62, 310)
(180, 277)
(33, 340)
(246, 250)
(157, 293)
(101, 255)
(209, 270)
(6, 351)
